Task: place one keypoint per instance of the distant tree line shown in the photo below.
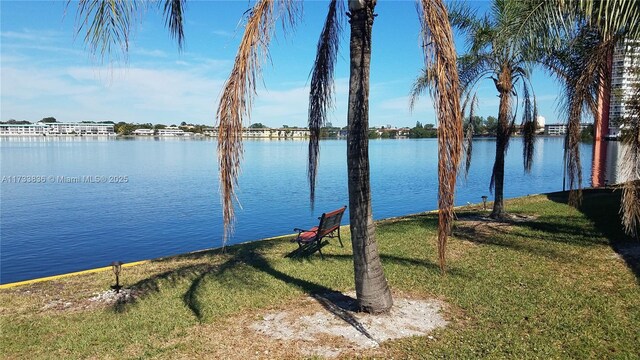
(482, 126)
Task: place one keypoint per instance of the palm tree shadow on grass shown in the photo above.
(306, 251)
(420, 263)
(250, 255)
(602, 206)
(479, 229)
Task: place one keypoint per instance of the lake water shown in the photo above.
(161, 195)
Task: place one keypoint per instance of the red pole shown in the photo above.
(601, 130)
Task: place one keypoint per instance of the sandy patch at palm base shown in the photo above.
(328, 325)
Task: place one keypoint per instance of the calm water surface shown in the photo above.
(170, 202)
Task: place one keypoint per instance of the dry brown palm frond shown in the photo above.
(322, 87)
(440, 56)
(630, 170)
(630, 166)
(237, 94)
(581, 92)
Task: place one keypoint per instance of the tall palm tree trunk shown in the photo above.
(372, 290)
(504, 87)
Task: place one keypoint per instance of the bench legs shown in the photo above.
(319, 246)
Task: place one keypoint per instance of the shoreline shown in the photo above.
(146, 261)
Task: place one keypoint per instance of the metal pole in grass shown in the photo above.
(116, 266)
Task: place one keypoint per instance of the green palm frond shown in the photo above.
(322, 87)
(468, 138)
(173, 12)
(107, 26)
(529, 127)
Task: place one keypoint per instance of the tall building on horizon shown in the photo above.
(625, 76)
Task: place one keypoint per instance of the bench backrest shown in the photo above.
(330, 221)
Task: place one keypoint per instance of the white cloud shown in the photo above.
(30, 35)
(88, 93)
(150, 53)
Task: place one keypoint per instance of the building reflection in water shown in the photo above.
(606, 166)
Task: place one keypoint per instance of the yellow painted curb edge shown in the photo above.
(90, 271)
(105, 268)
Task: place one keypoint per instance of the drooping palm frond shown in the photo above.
(107, 26)
(173, 12)
(630, 171)
(420, 85)
(584, 68)
(529, 127)
(440, 56)
(322, 87)
(468, 138)
(630, 165)
(237, 95)
(612, 18)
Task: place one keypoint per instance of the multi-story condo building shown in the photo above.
(625, 76)
(171, 131)
(23, 129)
(144, 132)
(80, 129)
(56, 129)
(560, 129)
(265, 133)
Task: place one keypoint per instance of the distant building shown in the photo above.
(560, 129)
(23, 129)
(80, 129)
(624, 77)
(56, 129)
(144, 132)
(266, 133)
(170, 131)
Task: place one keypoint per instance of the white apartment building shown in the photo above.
(265, 133)
(23, 129)
(170, 131)
(626, 57)
(80, 129)
(56, 129)
(560, 129)
(144, 132)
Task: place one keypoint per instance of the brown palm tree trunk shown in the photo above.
(372, 290)
(504, 87)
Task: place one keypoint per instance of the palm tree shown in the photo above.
(235, 105)
(594, 27)
(495, 53)
(371, 288)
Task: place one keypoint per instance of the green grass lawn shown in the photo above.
(549, 285)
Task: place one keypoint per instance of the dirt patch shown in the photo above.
(328, 325)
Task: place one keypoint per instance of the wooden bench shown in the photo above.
(329, 227)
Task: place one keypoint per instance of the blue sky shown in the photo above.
(46, 70)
